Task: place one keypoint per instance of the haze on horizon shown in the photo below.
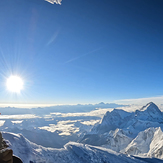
(81, 52)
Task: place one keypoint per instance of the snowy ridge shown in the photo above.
(148, 116)
(71, 153)
(137, 133)
(122, 119)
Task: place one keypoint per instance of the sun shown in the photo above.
(14, 84)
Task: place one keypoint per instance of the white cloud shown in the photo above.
(22, 116)
(64, 127)
(142, 101)
(91, 122)
(97, 113)
(78, 124)
(16, 122)
(130, 108)
(54, 1)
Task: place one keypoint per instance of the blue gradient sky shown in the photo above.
(81, 51)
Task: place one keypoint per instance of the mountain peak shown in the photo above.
(150, 112)
(150, 106)
(151, 103)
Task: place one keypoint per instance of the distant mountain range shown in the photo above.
(57, 108)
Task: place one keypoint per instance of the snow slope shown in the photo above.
(117, 140)
(148, 143)
(141, 144)
(71, 153)
(156, 146)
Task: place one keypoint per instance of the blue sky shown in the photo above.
(81, 51)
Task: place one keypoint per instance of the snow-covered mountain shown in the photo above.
(138, 120)
(71, 153)
(111, 121)
(141, 144)
(148, 142)
(135, 133)
(150, 112)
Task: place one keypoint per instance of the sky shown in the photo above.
(76, 51)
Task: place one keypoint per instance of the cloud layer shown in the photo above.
(54, 1)
(141, 101)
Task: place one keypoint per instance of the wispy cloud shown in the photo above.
(22, 116)
(53, 38)
(54, 1)
(83, 55)
(158, 100)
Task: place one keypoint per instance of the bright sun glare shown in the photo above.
(14, 84)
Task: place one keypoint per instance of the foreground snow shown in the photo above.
(71, 153)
